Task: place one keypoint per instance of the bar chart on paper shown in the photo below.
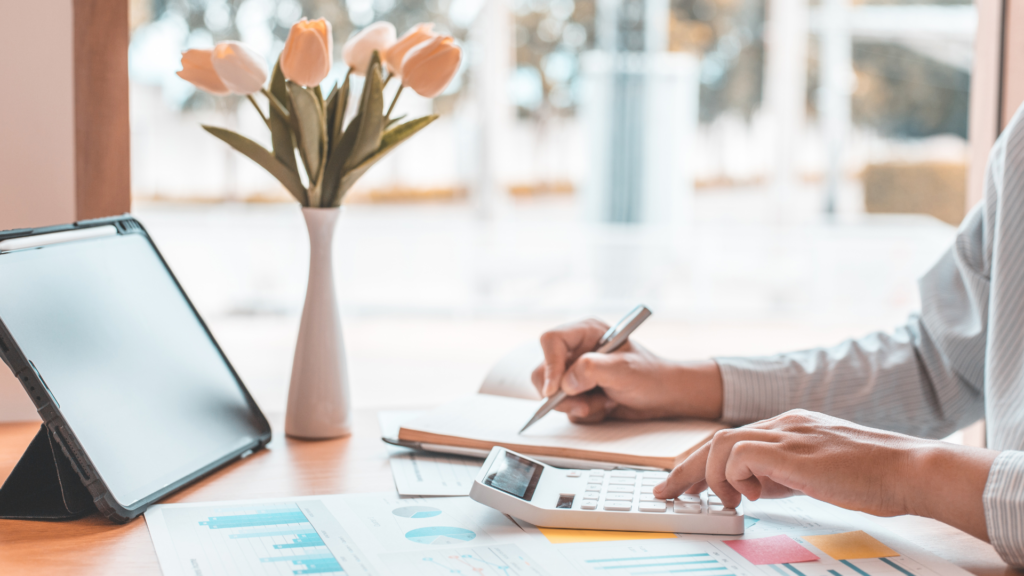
(507, 560)
(655, 557)
(269, 539)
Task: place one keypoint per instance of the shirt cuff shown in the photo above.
(1004, 506)
(753, 388)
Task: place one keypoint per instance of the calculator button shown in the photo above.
(618, 488)
(629, 481)
(593, 487)
(574, 473)
(721, 511)
(591, 495)
(597, 472)
(647, 497)
(651, 481)
(685, 508)
(656, 506)
(589, 504)
(595, 479)
(618, 497)
(714, 501)
(688, 498)
(659, 475)
(618, 506)
(623, 474)
(647, 489)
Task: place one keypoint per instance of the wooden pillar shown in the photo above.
(102, 147)
(64, 142)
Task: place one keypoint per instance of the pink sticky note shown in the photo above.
(779, 549)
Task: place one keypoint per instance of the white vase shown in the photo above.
(319, 404)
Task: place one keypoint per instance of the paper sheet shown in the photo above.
(420, 474)
(382, 534)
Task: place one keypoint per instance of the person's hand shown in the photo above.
(852, 466)
(631, 383)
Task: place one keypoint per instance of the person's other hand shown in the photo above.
(836, 461)
(631, 383)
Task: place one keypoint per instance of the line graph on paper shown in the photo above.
(279, 539)
(508, 560)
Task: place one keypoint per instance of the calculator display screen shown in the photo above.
(514, 475)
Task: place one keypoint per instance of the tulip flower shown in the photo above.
(197, 68)
(241, 69)
(417, 35)
(308, 52)
(430, 67)
(358, 51)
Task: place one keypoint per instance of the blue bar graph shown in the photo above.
(897, 566)
(700, 562)
(261, 519)
(299, 536)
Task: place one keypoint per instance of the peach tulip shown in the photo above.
(308, 52)
(430, 67)
(359, 49)
(197, 68)
(241, 69)
(417, 35)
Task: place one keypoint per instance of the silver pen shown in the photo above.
(614, 338)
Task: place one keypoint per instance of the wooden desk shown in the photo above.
(296, 468)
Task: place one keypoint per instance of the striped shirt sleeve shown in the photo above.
(1004, 513)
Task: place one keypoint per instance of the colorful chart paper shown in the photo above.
(779, 549)
(564, 536)
(850, 545)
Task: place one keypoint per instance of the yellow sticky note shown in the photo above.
(563, 536)
(850, 545)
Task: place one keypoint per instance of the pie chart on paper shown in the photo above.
(416, 512)
(440, 535)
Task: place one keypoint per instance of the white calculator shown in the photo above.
(595, 499)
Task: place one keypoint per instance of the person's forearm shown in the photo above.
(946, 482)
(696, 389)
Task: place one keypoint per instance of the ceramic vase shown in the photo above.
(319, 404)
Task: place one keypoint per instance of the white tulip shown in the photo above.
(241, 68)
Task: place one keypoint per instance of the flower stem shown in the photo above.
(393, 102)
(275, 103)
(258, 110)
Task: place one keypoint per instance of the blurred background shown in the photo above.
(763, 175)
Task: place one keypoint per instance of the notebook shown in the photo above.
(507, 399)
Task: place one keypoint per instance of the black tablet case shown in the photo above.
(44, 486)
(49, 482)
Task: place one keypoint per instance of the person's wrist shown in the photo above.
(946, 482)
(698, 387)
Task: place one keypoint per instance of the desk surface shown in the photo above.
(297, 468)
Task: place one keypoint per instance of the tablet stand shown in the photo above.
(44, 486)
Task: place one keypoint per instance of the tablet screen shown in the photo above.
(134, 373)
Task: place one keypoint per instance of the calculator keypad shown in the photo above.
(630, 490)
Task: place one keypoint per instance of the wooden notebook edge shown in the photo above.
(663, 462)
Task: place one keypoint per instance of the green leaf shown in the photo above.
(394, 121)
(280, 132)
(391, 139)
(340, 106)
(309, 120)
(336, 159)
(264, 158)
(371, 110)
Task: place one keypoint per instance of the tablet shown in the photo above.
(122, 369)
